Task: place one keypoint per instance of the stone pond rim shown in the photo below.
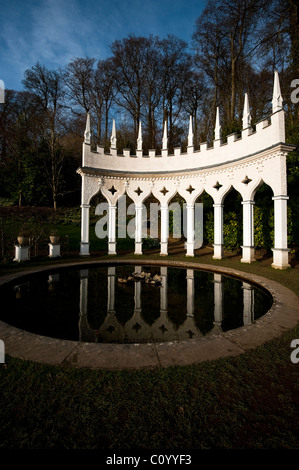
(282, 316)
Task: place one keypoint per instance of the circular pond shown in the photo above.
(130, 304)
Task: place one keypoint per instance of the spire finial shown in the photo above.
(277, 98)
(165, 140)
(190, 135)
(87, 133)
(217, 125)
(113, 136)
(139, 139)
(246, 113)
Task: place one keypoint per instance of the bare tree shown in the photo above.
(230, 37)
(194, 96)
(46, 87)
(129, 59)
(78, 78)
(152, 91)
(209, 47)
(104, 94)
(175, 68)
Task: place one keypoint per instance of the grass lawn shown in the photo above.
(245, 402)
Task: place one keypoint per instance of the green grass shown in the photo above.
(245, 402)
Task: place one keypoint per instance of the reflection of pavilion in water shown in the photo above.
(137, 330)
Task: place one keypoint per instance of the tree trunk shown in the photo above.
(233, 82)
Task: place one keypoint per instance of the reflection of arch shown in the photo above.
(110, 330)
(137, 329)
(189, 329)
(163, 329)
(241, 163)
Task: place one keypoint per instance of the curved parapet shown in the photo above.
(268, 134)
(243, 162)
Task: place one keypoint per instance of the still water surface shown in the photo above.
(102, 304)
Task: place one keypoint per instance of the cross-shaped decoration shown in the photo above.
(246, 180)
(162, 328)
(112, 190)
(190, 189)
(138, 191)
(164, 191)
(190, 333)
(217, 186)
(110, 329)
(136, 327)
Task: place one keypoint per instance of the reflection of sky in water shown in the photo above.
(98, 305)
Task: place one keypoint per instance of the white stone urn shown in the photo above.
(23, 239)
(54, 238)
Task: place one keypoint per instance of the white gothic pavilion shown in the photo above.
(243, 163)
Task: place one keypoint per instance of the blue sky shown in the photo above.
(53, 32)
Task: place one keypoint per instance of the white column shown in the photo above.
(280, 250)
(164, 230)
(111, 289)
(84, 245)
(218, 299)
(218, 231)
(248, 303)
(138, 230)
(248, 232)
(112, 230)
(190, 230)
(190, 292)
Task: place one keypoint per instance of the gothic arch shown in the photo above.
(240, 163)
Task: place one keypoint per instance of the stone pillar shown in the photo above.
(112, 230)
(138, 230)
(190, 292)
(190, 230)
(22, 253)
(280, 250)
(248, 303)
(218, 231)
(248, 232)
(218, 299)
(111, 289)
(164, 230)
(84, 245)
(54, 250)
